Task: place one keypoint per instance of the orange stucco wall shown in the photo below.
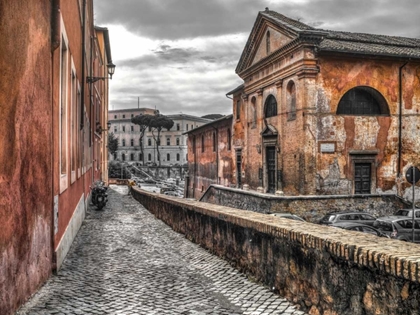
(25, 150)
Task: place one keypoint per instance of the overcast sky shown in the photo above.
(181, 55)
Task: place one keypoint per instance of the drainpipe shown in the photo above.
(55, 43)
(400, 119)
(82, 99)
(217, 153)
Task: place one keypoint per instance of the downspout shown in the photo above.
(195, 165)
(217, 153)
(400, 119)
(82, 99)
(55, 43)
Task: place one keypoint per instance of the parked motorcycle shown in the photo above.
(99, 194)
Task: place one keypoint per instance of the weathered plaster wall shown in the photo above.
(25, 150)
(379, 133)
(324, 270)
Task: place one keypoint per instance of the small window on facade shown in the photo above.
(168, 141)
(115, 129)
(132, 115)
(123, 128)
(177, 157)
(270, 106)
(123, 142)
(149, 157)
(132, 142)
(140, 157)
(150, 128)
(178, 127)
(202, 143)
(123, 116)
(123, 157)
(168, 157)
(267, 42)
(238, 109)
(149, 142)
(177, 141)
(363, 101)
(229, 140)
(132, 128)
(214, 142)
(186, 127)
(291, 101)
(253, 112)
(115, 116)
(132, 157)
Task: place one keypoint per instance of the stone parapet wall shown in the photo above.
(309, 207)
(322, 269)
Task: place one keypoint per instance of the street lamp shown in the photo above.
(99, 127)
(111, 71)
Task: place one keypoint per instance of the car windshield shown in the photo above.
(402, 212)
(383, 226)
(328, 217)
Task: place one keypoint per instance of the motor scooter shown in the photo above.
(99, 194)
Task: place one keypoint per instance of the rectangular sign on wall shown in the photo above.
(327, 147)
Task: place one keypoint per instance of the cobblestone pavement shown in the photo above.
(125, 261)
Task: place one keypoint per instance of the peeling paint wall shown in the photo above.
(25, 150)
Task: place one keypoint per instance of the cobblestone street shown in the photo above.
(124, 261)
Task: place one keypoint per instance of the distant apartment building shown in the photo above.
(173, 143)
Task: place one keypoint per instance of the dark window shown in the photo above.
(202, 143)
(123, 142)
(177, 141)
(150, 128)
(132, 142)
(270, 106)
(132, 156)
(214, 142)
(123, 128)
(168, 157)
(186, 126)
(123, 157)
(238, 109)
(149, 157)
(115, 116)
(178, 126)
(115, 129)
(291, 101)
(123, 116)
(363, 100)
(132, 128)
(177, 156)
(229, 140)
(132, 115)
(140, 157)
(267, 42)
(168, 141)
(149, 142)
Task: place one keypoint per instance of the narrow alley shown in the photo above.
(125, 261)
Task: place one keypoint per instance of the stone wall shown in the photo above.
(311, 208)
(324, 270)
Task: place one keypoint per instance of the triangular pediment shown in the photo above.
(269, 130)
(280, 29)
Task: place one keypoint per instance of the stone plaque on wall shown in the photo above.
(327, 147)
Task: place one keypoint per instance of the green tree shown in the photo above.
(157, 123)
(112, 143)
(144, 122)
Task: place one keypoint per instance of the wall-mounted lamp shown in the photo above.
(99, 127)
(111, 71)
(258, 147)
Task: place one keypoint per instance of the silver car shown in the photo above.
(398, 227)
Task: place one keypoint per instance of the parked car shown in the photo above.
(408, 213)
(348, 216)
(288, 216)
(359, 228)
(399, 227)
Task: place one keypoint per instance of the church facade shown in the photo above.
(325, 112)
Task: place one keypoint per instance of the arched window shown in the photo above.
(270, 106)
(123, 142)
(291, 101)
(267, 42)
(229, 140)
(149, 157)
(364, 101)
(123, 157)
